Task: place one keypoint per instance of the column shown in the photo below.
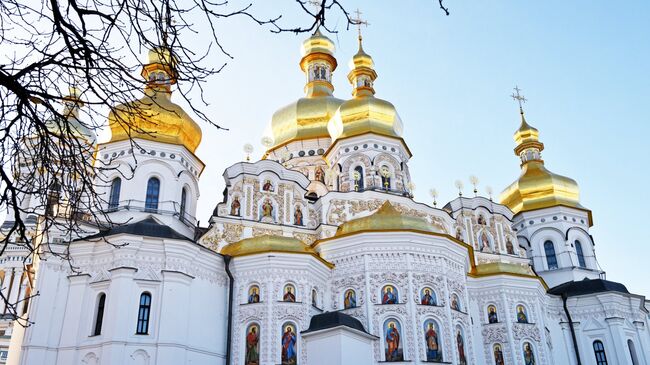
(619, 339)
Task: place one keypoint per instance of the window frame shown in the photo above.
(549, 252)
(99, 314)
(114, 193)
(152, 197)
(144, 314)
(183, 204)
(581, 255)
(599, 351)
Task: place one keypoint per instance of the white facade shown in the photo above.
(472, 283)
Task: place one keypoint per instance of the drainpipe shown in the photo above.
(573, 332)
(226, 260)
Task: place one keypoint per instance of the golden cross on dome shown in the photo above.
(359, 21)
(517, 96)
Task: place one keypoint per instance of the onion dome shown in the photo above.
(76, 128)
(155, 117)
(386, 218)
(307, 117)
(537, 187)
(364, 113)
(269, 243)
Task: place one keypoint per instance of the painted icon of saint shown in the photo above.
(267, 209)
(426, 297)
(492, 314)
(350, 300)
(462, 359)
(252, 346)
(268, 186)
(235, 207)
(529, 356)
(521, 314)
(297, 216)
(393, 351)
(288, 296)
(319, 175)
(431, 337)
(498, 355)
(389, 296)
(510, 248)
(454, 303)
(289, 356)
(253, 295)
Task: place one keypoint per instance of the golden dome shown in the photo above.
(385, 218)
(155, 117)
(364, 113)
(537, 187)
(269, 243)
(307, 117)
(78, 129)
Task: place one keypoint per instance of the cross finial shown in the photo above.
(359, 21)
(520, 98)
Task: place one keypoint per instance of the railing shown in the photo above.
(171, 208)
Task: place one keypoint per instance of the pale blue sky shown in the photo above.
(583, 65)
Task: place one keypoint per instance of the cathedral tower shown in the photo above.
(150, 163)
(549, 219)
(300, 135)
(367, 151)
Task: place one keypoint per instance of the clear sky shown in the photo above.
(582, 64)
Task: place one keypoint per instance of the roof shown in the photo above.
(149, 227)
(588, 286)
(385, 218)
(333, 319)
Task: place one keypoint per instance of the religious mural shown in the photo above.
(431, 333)
(389, 295)
(455, 303)
(289, 342)
(267, 211)
(297, 216)
(254, 294)
(319, 175)
(492, 314)
(427, 296)
(289, 293)
(529, 356)
(349, 299)
(460, 347)
(498, 355)
(522, 317)
(252, 356)
(509, 247)
(235, 207)
(267, 186)
(392, 336)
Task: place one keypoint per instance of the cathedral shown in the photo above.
(318, 254)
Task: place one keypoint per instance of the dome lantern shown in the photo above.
(536, 187)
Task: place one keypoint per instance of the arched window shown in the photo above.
(357, 178)
(581, 256)
(153, 191)
(630, 346)
(183, 204)
(599, 351)
(143, 314)
(114, 197)
(549, 251)
(99, 317)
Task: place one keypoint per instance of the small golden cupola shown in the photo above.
(364, 113)
(537, 187)
(307, 117)
(155, 117)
